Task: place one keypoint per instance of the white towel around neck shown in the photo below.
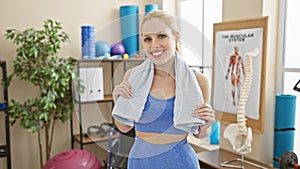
(188, 95)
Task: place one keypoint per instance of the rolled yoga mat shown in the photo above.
(285, 111)
(283, 141)
(284, 125)
(130, 29)
(88, 42)
(150, 7)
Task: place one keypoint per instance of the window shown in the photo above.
(196, 19)
(288, 58)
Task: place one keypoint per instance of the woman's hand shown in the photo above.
(123, 89)
(204, 112)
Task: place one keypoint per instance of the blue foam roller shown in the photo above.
(150, 7)
(130, 27)
(285, 111)
(2, 105)
(87, 41)
(283, 141)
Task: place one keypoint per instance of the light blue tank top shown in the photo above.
(157, 117)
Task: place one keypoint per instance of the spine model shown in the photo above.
(241, 119)
(238, 134)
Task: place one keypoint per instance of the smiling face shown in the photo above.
(159, 42)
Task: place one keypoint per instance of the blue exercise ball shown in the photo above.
(102, 48)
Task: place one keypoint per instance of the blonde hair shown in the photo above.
(165, 17)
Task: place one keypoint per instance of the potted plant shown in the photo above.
(38, 63)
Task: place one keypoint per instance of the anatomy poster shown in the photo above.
(231, 48)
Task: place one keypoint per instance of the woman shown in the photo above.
(158, 144)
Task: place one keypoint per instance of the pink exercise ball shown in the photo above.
(74, 159)
(117, 49)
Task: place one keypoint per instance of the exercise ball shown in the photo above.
(117, 49)
(102, 48)
(74, 159)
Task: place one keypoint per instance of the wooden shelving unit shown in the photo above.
(110, 79)
(5, 149)
(107, 98)
(93, 138)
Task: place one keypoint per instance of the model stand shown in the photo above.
(242, 163)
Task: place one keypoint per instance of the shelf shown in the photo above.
(5, 149)
(107, 98)
(93, 138)
(113, 72)
(113, 60)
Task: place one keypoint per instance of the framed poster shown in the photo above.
(231, 41)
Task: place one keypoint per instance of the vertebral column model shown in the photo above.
(238, 134)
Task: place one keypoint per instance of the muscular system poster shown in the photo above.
(229, 70)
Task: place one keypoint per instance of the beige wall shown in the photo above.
(262, 148)
(73, 14)
(270, 8)
(239, 9)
